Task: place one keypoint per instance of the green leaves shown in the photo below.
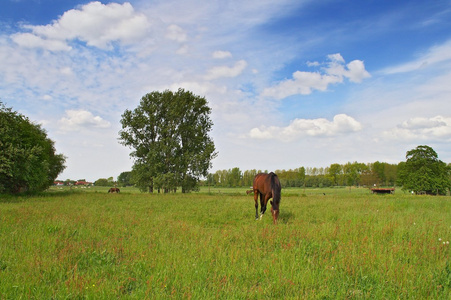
(27, 157)
(423, 172)
(169, 134)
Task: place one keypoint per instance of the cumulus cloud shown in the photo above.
(423, 123)
(422, 129)
(336, 57)
(77, 119)
(29, 40)
(354, 71)
(95, 23)
(303, 83)
(341, 124)
(225, 71)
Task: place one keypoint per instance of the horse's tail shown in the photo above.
(275, 188)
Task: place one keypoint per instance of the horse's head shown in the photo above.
(274, 212)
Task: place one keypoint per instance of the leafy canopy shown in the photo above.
(124, 179)
(169, 134)
(27, 156)
(424, 172)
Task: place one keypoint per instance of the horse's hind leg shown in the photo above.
(262, 206)
(264, 202)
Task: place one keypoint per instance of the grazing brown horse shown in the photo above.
(267, 186)
(114, 190)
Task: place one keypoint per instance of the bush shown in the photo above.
(28, 162)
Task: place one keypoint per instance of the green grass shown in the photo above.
(345, 244)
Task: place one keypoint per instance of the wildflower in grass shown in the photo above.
(439, 239)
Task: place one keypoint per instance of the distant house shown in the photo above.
(58, 183)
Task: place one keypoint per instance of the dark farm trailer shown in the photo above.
(383, 190)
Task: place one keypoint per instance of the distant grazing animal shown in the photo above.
(114, 190)
(267, 186)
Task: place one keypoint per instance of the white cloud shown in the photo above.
(224, 71)
(29, 40)
(341, 124)
(77, 119)
(221, 54)
(422, 129)
(198, 88)
(424, 123)
(312, 64)
(303, 83)
(356, 71)
(176, 33)
(95, 23)
(434, 55)
(336, 57)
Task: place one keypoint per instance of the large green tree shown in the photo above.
(169, 134)
(28, 161)
(424, 172)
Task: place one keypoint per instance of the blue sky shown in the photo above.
(290, 83)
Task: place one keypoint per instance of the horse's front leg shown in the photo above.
(256, 204)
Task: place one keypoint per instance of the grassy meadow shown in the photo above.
(329, 244)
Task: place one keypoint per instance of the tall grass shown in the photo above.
(207, 245)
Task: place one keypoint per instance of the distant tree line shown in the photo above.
(349, 174)
(99, 182)
(421, 173)
(104, 182)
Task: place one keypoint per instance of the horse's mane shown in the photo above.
(275, 187)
